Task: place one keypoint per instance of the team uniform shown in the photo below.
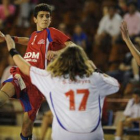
(76, 106)
(39, 43)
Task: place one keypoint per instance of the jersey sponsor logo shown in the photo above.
(31, 56)
(31, 60)
(42, 41)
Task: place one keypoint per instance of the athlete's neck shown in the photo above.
(41, 29)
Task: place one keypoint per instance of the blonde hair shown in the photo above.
(72, 61)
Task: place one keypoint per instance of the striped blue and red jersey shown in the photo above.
(42, 41)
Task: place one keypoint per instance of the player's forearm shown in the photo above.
(21, 40)
(68, 43)
(22, 64)
(135, 68)
(19, 61)
(133, 50)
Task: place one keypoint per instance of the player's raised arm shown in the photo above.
(19, 61)
(52, 54)
(19, 40)
(67, 43)
(126, 38)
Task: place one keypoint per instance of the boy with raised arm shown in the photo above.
(42, 46)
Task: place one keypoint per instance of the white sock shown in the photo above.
(117, 138)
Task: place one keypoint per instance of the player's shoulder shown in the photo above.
(131, 101)
(38, 71)
(95, 76)
(99, 77)
(52, 29)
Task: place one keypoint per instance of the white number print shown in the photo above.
(34, 39)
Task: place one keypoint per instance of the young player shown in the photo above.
(43, 41)
(130, 45)
(73, 90)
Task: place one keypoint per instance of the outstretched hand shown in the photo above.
(124, 31)
(10, 43)
(51, 55)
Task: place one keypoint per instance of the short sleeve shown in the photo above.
(41, 79)
(58, 36)
(127, 111)
(102, 24)
(107, 85)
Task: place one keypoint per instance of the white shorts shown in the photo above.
(58, 133)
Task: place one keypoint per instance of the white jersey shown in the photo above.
(132, 110)
(76, 106)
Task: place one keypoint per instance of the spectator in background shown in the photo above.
(79, 37)
(33, 3)
(109, 26)
(90, 17)
(133, 20)
(6, 72)
(107, 33)
(137, 2)
(122, 5)
(128, 70)
(132, 113)
(7, 10)
(105, 10)
(24, 13)
(63, 28)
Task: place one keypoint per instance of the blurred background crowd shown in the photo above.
(92, 24)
